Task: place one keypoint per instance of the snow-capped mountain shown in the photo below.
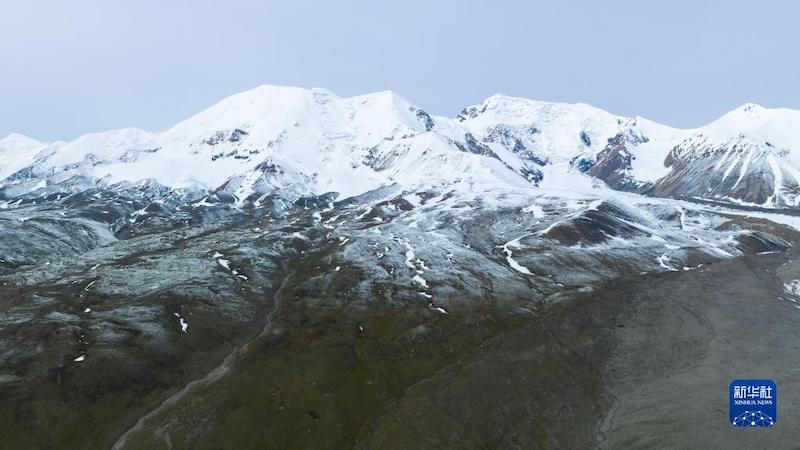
(309, 141)
(17, 152)
(750, 155)
(296, 140)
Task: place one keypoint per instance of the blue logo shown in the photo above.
(753, 403)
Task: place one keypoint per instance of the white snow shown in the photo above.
(559, 125)
(323, 143)
(410, 257)
(663, 260)
(182, 322)
(647, 163)
(777, 126)
(438, 309)
(713, 247)
(592, 206)
(793, 287)
(320, 141)
(515, 243)
(17, 152)
(414, 199)
(202, 203)
(537, 211)
(420, 281)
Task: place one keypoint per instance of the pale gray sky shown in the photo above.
(68, 68)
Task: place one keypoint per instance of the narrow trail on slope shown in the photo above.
(211, 377)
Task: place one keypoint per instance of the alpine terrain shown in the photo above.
(293, 269)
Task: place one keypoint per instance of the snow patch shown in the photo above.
(537, 211)
(420, 281)
(511, 261)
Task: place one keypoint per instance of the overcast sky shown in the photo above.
(67, 68)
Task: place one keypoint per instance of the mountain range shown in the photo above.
(310, 141)
(292, 269)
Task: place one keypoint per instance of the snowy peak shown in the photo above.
(752, 109)
(779, 127)
(508, 110)
(386, 114)
(542, 131)
(18, 140)
(108, 145)
(16, 144)
(748, 128)
(16, 152)
(267, 110)
(264, 111)
(749, 155)
(269, 113)
(747, 113)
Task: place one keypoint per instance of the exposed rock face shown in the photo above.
(741, 170)
(749, 155)
(613, 166)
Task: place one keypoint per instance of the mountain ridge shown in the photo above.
(350, 145)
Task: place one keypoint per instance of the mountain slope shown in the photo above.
(751, 155)
(634, 159)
